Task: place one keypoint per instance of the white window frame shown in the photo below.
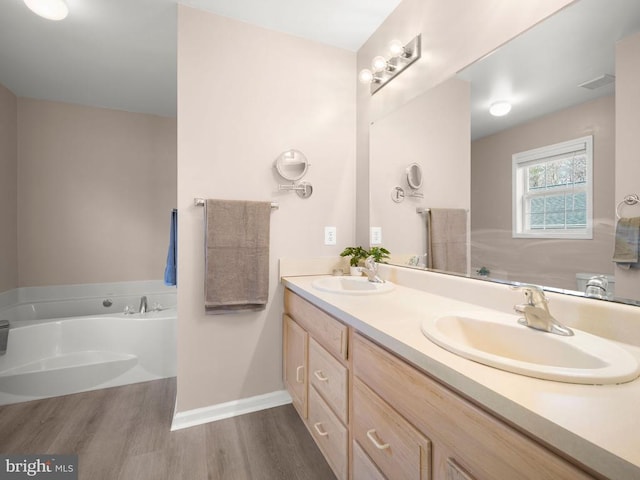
(523, 159)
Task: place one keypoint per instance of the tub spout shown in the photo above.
(143, 305)
(4, 336)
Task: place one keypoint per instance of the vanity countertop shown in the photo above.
(597, 425)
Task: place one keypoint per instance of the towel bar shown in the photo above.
(632, 199)
(199, 202)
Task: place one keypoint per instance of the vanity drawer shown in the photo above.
(397, 448)
(330, 378)
(328, 331)
(484, 445)
(329, 433)
(363, 467)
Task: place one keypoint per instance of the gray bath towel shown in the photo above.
(447, 239)
(627, 243)
(236, 256)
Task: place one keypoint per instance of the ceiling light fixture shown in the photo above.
(384, 70)
(500, 109)
(49, 9)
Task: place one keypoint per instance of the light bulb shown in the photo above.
(49, 9)
(499, 109)
(396, 48)
(365, 75)
(378, 63)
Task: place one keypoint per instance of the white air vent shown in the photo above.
(598, 82)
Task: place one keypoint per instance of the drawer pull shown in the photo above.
(322, 433)
(320, 376)
(300, 374)
(374, 440)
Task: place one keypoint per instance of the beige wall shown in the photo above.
(627, 128)
(245, 95)
(412, 135)
(551, 262)
(454, 34)
(8, 190)
(95, 191)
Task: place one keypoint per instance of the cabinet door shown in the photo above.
(295, 343)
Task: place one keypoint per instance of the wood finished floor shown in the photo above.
(122, 433)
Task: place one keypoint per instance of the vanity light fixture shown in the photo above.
(49, 9)
(383, 70)
(500, 108)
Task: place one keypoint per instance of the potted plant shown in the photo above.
(357, 254)
(379, 254)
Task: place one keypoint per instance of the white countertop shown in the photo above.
(597, 425)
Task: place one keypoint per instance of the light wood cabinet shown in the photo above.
(374, 416)
(467, 441)
(317, 377)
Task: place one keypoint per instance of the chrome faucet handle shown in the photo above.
(536, 313)
(534, 294)
(370, 263)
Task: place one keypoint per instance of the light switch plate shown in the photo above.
(329, 235)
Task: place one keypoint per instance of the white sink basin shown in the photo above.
(497, 340)
(351, 285)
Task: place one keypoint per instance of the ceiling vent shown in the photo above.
(598, 82)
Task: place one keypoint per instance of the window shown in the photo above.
(552, 191)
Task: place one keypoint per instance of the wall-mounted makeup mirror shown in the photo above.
(292, 165)
(414, 176)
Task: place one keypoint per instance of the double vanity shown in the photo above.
(405, 380)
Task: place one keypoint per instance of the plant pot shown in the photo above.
(355, 271)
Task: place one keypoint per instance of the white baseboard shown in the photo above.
(213, 413)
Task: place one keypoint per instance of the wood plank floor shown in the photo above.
(122, 433)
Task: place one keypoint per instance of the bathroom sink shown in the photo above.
(497, 340)
(351, 285)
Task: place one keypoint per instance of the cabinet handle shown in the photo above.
(322, 433)
(320, 376)
(300, 374)
(374, 440)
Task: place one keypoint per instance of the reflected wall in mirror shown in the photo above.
(408, 135)
(558, 78)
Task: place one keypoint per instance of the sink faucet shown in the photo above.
(143, 305)
(536, 312)
(371, 269)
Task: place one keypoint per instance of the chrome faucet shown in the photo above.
(597, 287)
(371, 269)
(536, 312)
(143, 305)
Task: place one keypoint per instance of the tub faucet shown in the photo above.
(371, 269)
(536, 312)
(143, 305)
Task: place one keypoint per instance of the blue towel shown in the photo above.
(170, 272)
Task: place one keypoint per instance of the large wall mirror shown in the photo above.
(560, 79)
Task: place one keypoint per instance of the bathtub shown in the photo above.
(69, 345)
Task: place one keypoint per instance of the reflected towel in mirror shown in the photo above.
(627, 243)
